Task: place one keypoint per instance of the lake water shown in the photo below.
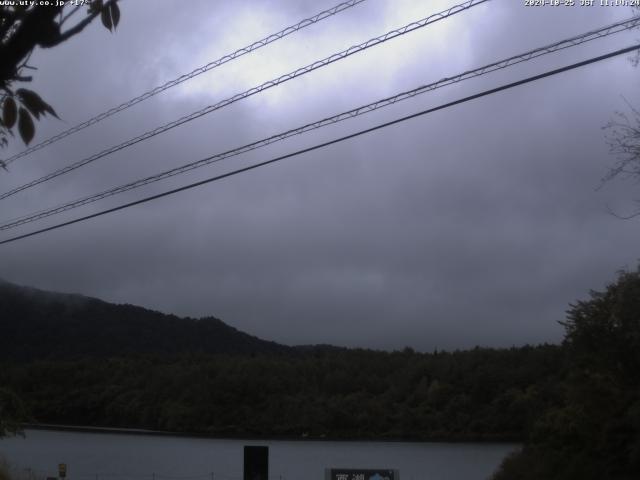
(102, 456)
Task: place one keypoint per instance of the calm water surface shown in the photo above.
(99, 456)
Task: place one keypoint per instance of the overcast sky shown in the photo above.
(475, 225)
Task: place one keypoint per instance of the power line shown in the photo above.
(330, 142)
(265, 86)
(523, 57)
(188, 76)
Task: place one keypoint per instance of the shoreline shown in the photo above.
(160, 433)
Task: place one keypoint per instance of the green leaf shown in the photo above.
(115, 14)
(105, 16)
(9, 112)
(34, 103)
(25, 126)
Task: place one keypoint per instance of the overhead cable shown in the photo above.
(328, 143)
(492, 67)
(188, 76)
(265, 86)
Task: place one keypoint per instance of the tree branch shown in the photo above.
(69, 15)
(80, 25)
(37, 25)
(9, 19)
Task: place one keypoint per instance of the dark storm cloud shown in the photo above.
(474, 225)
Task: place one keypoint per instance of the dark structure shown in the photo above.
(256, 463)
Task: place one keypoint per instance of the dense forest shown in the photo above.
(478, 394)
(81, 361)
(575, 406)
(592, 430)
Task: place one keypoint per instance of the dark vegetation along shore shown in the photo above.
(480, 394)
(73, 360)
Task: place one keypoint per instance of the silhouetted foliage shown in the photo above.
(23, 27)
(593, 432)
(623, 138)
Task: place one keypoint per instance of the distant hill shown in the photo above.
(121, 366)
(36, 324)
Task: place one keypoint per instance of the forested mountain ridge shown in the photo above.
(81, 361)
(37, 324)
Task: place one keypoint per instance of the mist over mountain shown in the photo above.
(37, 324)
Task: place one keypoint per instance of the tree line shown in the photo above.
(321, 393)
